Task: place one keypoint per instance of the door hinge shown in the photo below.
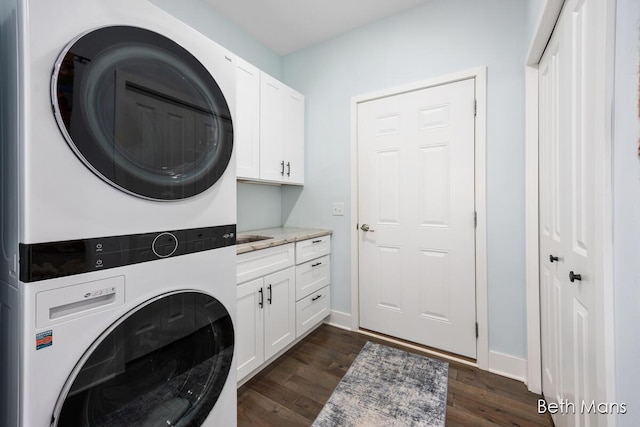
(475, 107)
(476, 329)
(475, 219)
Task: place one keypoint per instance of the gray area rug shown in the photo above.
(388, 387)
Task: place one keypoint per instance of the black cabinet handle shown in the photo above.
(316, 241)
(288, 168)
(553, 258)
(261, 301)
(282, 168)
(573, 277)
(316, 264)
(270, 295)
(316, 298)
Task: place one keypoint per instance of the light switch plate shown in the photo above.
(338, 209)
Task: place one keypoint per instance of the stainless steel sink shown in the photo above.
(251, 238)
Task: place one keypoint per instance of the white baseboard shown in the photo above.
(508, 366)
(339, 320)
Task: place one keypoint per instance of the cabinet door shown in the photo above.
(294, 137)
(247, 120)
(249, 327)
(272, 98)
(279, 311)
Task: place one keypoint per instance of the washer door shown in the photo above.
(164, 363)
(142, 113)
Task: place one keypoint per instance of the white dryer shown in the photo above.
(126, 129)
(117, 289)
(126, 122)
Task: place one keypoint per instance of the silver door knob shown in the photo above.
(365, 227)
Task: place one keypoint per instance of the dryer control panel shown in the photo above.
(41, 261)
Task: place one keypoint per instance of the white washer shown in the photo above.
(149, 344)
(117, 293)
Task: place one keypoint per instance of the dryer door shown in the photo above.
(164, 363)
(142, 113)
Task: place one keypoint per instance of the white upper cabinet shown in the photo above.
(294, 136)
(272, 129)
(269, 128)
(247, 121)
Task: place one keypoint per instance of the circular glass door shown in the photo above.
(142, 113)
(163, 364)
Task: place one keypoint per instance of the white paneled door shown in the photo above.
(567, 84)
(416, 216)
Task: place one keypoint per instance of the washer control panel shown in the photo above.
(42, 261)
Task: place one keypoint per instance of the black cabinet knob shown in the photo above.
(573, 277)
(553, 258)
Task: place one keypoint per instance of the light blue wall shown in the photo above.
(533, 13)
(259, 206)
(440, 37)
(626, 193)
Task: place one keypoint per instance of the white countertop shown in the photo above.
(278, 236)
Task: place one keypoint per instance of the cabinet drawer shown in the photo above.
(307, 250)
(311, 310)
(252, 265)
(311, 276)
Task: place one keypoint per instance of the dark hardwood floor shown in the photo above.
(293, 389)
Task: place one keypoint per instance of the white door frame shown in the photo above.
(603, 216)
(482, 317)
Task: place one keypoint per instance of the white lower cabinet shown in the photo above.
(313, 274)
(266, 320)
(283, 304)
(279, 311)
(250, 327)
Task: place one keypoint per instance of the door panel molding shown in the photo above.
(480, 76)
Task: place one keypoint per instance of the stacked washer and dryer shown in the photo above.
(119, 210)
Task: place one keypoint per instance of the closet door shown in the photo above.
(568, 76)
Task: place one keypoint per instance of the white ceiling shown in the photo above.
(288, 25)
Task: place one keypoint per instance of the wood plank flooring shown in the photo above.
(293, 389)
